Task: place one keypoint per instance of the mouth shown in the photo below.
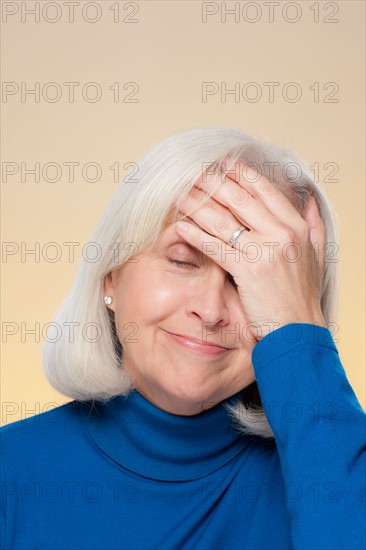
(197, 345)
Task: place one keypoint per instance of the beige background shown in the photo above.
(168, 52)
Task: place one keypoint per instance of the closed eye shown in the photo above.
(186, 264)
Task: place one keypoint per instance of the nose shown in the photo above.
(209, 301)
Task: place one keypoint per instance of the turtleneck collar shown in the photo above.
(160, 445)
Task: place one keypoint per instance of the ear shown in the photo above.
(109, 287)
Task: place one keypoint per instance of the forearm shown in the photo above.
(319, 427)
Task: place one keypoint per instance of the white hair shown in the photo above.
(87, 368)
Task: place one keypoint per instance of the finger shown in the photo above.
(317, 230)
(211, 216)
(209, 245)
(250, 211)
(262, 189)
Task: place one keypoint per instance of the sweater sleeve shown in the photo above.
(2, 506)
(320, 433)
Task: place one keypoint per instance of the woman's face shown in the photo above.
(160, 307)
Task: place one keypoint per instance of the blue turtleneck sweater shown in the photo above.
(127, 475)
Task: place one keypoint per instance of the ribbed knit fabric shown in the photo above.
(175, 448)
(127, 475)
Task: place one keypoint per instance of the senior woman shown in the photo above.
(210, 407)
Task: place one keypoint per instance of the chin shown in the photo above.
(195, 399)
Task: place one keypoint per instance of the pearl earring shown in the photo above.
(108, 300)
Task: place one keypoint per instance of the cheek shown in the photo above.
(167, 297)
(150, 297)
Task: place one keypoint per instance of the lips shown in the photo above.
(198, 345)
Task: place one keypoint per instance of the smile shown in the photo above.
(197, 345)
